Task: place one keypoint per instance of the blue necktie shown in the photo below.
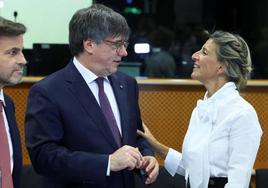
(107, 111)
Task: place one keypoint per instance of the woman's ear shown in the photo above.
(222, 69)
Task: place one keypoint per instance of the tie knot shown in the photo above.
(99, 81)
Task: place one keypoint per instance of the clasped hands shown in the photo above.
(128, 157)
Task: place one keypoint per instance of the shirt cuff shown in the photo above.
(172, 161)
(108, 167)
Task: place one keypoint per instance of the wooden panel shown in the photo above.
(166, 108)
(258, 97)
(19, 95)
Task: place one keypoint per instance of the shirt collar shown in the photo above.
(88, 75)
(2, 97)
(228, 89)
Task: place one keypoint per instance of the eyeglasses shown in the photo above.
(117, 45)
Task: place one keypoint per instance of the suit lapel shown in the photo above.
(10, 114)
(119, 87)
(86, 99)
(14, 134)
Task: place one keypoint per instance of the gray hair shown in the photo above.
(96, 23)
(233, 51)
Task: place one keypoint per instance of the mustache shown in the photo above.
(21, 66)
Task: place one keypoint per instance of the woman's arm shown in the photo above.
(158, 147)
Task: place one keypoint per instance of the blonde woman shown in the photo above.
(223, 137)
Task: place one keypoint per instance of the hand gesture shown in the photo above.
(151, 168)
(158, 147)
(125, 157)
(147, 135)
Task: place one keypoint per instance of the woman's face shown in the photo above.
(207, 68)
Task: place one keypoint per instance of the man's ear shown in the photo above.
(89, 45)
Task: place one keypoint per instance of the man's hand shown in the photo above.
(151, 167)
(125, 157)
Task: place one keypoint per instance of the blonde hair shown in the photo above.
(233, 51)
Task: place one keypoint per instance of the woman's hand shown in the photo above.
(158, 147)
(147, 135)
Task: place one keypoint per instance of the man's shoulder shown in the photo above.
(58, 76)
(51, 82)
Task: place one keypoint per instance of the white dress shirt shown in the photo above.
(7, 131)
(222, 140)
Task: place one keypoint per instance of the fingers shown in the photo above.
(152, 176)
(151, 168)
(125, 157)
(139, 162)
(133, 158)
(146, 134)
(139, 132)
(130, 158)
(146, 129)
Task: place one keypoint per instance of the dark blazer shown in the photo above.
(67, 136)
(15, 139)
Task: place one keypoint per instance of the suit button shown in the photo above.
(211, 182)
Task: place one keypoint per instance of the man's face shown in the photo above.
(12, 60)
(106, 56)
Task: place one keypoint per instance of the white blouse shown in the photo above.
(222, 140)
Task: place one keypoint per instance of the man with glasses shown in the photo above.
(81, 121)
(116, 44)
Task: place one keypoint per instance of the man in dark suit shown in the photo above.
(12, 62)
(74, 139)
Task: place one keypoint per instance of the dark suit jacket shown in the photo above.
(15, 139)
(67, 136)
